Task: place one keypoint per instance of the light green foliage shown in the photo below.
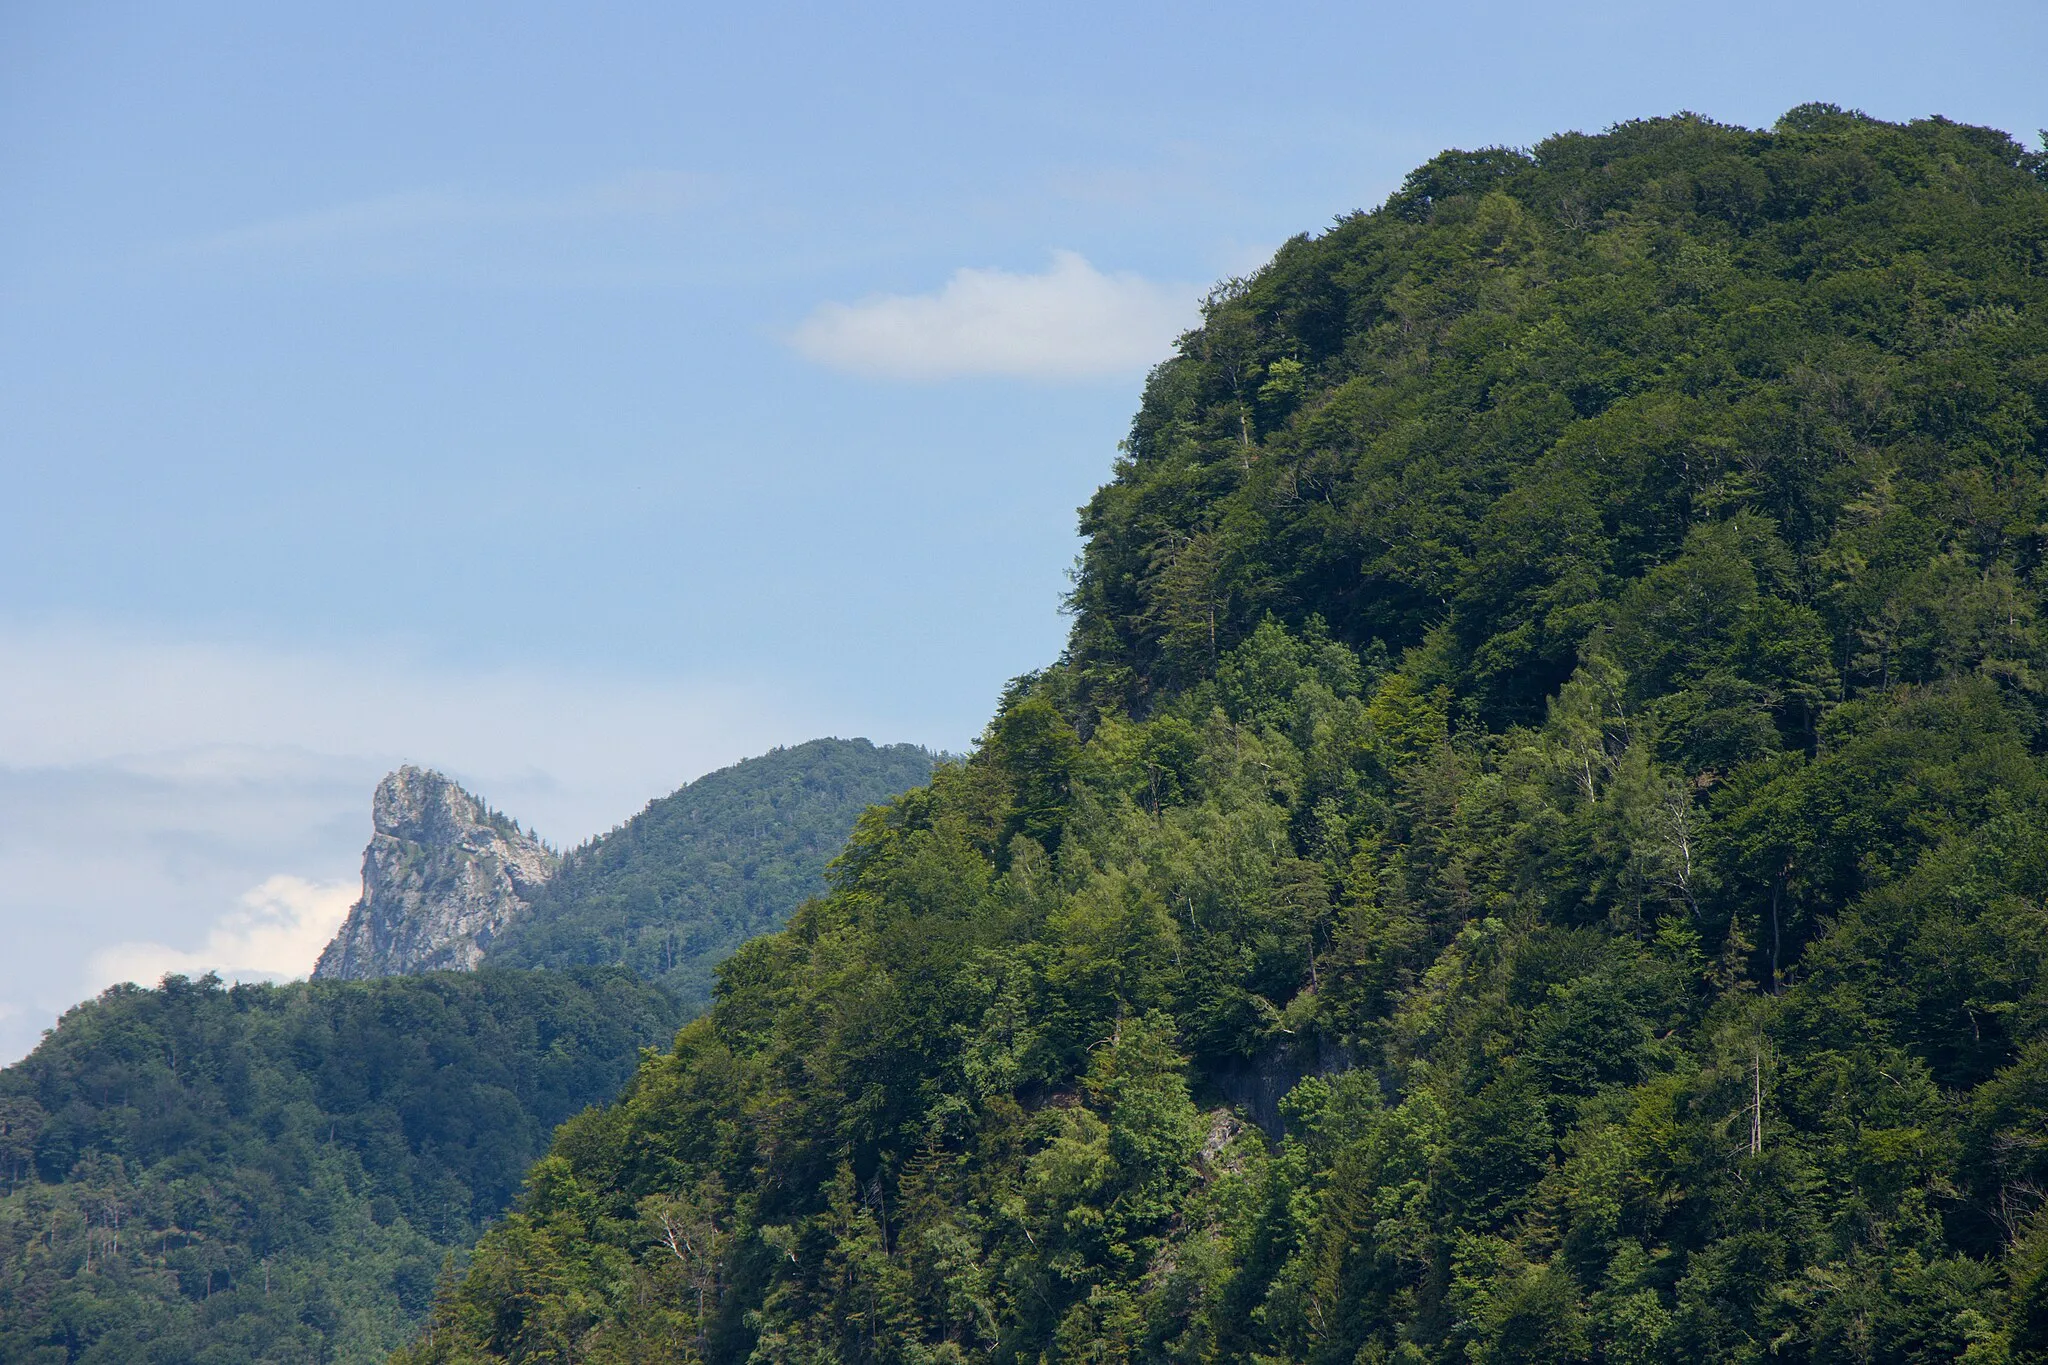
(675, 889)
(1534, 853)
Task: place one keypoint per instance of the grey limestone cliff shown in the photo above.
(442, 875)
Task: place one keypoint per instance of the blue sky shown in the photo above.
(581, 397)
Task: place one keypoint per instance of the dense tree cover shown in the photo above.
(1557, 690)
(675, 889)
(278, 1174)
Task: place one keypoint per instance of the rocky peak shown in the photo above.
(442, 875)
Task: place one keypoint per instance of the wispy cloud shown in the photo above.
(275, 933)
(643, 194)
(465, 229)
(1071, 321)
(185, 712)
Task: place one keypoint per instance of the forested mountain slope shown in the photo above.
(680, 885)
(277, 1174)
(1558, 669)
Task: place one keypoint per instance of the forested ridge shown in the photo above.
(1556, 688)
(676, 888)
(200, 1173)
(228, 1175)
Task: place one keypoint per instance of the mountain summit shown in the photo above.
(442, 875)
(1558, 688)
(449, 884)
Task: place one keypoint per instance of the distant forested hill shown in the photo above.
(276, 1174)
(1558, 700)
(675, 889)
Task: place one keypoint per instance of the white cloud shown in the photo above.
(275, 933)
(1071, 322)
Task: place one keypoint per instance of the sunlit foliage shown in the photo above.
(1535, 851)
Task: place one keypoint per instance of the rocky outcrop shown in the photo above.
(442, 875)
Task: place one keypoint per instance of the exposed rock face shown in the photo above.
(442, 874)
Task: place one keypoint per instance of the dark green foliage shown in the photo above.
(1813, 360)
(1556, 689)
(675, 889)
(279, 1173)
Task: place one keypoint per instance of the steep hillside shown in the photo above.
(278, 1173)
(1556, 689)
(675, 889)
(443, 874)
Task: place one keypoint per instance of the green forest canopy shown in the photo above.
(231, 1175)
(1557, 680)
(680, 885)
